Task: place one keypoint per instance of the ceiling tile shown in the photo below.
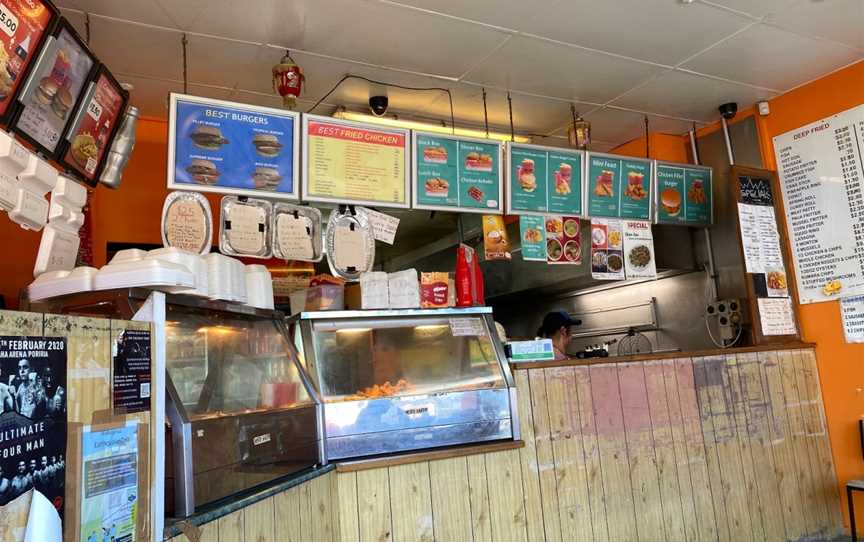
(611, 26)
(759, 8)
(494, 12)
(232, 19)
(540, 67)
(689, 96)
(150, 96)
(227, 68)
(136, 49)
(143, 11)
(615, 126)
(838, 20)
(387, 35)
(769, 57)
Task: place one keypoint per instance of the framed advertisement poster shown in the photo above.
(96, 123)
(54, 89)
(352, 162)
(684, 194)
(543, 180)
(453, 173)
(24, 26)
(618, 187)
(232, 148)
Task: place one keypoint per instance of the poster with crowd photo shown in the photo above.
(32, 418)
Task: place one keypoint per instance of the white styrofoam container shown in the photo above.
(58, 250)
(218, 276)
(191, 261)
(259, 287)
(404, 289)
(238, 281)
(128, 255)
(146, 273)
(374, 290)
(57, 283)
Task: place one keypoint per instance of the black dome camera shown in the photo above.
(728, 110)
(378, 105)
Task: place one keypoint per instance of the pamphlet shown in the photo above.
(563, 240)
(496, 244)
(533, 235)
(607, 255)
(132, 363)
(852, 311)
(383, 226)
(777, 316)
(639, 262)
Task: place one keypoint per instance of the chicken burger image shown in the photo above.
(46, 91)
(208, 137)
(62, 102)
(84, 148)
(267, 144)
(203, 171)
(670, 199)
(266, 178)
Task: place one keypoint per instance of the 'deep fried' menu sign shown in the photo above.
(351, 162)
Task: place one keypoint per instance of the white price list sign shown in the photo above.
(852, 311)
(821, 176)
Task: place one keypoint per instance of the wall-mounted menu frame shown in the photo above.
(232, 148)
(96, 123)
(352, 162)
(54, 89)
(542, 180)
(683, 194)
(453, 173)
(24, 27)
(618, 186)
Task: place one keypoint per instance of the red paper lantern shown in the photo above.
(288, 80)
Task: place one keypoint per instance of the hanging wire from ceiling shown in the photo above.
(185, 41)
(647, 139)
(510, 108)
(573, 114)
(485, 113)
(87, 28)
(382, 83)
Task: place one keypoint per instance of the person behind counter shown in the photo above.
(556, 326)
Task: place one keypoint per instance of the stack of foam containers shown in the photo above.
(31, 207)
(58, 248)
(259, 287)
(218, 276)
(238, 281)
(191, 261)
(57, 283)
(132, 269)
(13, 160)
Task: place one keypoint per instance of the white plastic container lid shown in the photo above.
(69, 192)
(58, 250)
(191, 261)
(57, 283)
(30, 211)
(238, 281)
(128, 255)
(218, 276)
(13, 155)
(259, 287)
(38, 176)
(146, 273)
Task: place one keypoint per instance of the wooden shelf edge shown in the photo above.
(573, 362)
(430, 455)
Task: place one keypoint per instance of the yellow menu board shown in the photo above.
(347, 162)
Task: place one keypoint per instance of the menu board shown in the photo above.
(821, 175)
(456, 173)
(618, 187)
(852, 312)
(350, 162)
(23, 26)
(53, 89)
(684, 194)
(543, 180)
(95, 126)
(232, 148)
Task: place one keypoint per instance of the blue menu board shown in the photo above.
(453, 173)
(544, 180)
(232, 148)
(618, 187)
(684, 194)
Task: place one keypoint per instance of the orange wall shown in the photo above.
(663, 147)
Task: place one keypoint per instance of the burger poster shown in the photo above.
(619, 187)
(53, 90)
(542, 179)
(452, 173)
(683, 194)
(225, 147)
(90, 138)
(22, 24)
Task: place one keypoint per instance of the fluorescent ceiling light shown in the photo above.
(425, 126)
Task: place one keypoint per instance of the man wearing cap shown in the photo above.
(556, 326)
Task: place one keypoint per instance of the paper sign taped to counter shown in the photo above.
(777, 316)
(852, 311)
(466, 327)
(383, 226)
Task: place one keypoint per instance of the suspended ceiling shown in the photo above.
(617, 60)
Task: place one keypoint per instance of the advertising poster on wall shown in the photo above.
(24, 25)
(32, 418)
(533, 234)
(543, 179)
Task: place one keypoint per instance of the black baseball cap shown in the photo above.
(555, 320)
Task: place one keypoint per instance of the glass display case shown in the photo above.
(400, 380)
(241, 411)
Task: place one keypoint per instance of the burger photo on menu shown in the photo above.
(670, 200)
(603, 184)
(207, 137)
(203, 171)
(6, 79)
(84, 149)
(635, 186)
(475, 161)
(267, 145)
(527, 179)
(564, 179)
(436, 187)
(435, 155)
(266, 178)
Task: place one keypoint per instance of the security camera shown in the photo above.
(378, 105)
(728, 110)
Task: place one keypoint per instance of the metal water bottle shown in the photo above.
(121, 149)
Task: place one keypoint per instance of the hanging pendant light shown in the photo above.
(288, 80)
(579, 131)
